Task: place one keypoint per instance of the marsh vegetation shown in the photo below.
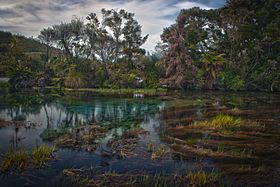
(199, 139)
(18, 160)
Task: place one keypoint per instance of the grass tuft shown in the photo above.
(221, 121)
(160, 152)
(42, 154)
(202, 178)
(14, 159)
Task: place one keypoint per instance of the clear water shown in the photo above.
(54, 111)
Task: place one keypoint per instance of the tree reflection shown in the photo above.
(65, 112)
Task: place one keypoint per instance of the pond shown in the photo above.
(204, 138)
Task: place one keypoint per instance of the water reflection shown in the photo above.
(161, 118)
(57, 112)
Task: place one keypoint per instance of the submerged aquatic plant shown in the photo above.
(221, 148)
(91, 177)
(82, 137)
(14, 159)
(150, 147)
(52, 134)
(160, 152)
(42, 154)
(124, 148)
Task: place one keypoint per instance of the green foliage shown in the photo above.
(221, 121)
(28, 45)
(212, 63)
(232, 48)
(19, 159)
(75, 80)
(229, 81)
(126, 91)
(227, 124)
(4, 86)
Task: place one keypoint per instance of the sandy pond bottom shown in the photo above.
(183, 139)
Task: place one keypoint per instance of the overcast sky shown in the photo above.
(28, 17)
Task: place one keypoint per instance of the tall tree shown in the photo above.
(180, 72)
(114, 21)
(100, 42)
(252, 29)
(46, 37)
(126, 32)
(69, 37)
(133, 39)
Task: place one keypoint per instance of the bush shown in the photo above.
(4, 85)
(75, 80)
(229, 81)
(23, 80)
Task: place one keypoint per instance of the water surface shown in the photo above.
(160, 117)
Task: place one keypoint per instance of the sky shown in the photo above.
(28, 17)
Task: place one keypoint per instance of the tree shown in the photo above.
(100, 42)
(68, 36)
(119, 35)
(133, 39)
(180, 72)
(212, 64)
(252, 45)
(114, 21)
(126, 32)
(46, 37)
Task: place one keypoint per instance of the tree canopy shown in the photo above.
(235, 47)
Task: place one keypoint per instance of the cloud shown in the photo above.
(28, 17)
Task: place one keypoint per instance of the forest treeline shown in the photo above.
(235, 47)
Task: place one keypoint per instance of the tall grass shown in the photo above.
(42, 154)
(14, 159)
(202, 178)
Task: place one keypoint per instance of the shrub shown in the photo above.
(75, 80)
